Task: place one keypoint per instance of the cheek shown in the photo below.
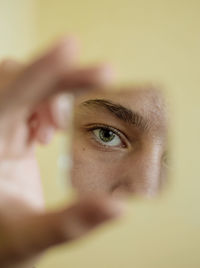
(92, 170)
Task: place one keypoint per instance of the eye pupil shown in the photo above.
(106, 135)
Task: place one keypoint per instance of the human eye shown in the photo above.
(108, 136)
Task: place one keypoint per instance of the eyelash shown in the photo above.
(117, 132)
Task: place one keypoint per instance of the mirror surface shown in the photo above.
(120, 142)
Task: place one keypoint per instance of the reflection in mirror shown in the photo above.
(120, 142)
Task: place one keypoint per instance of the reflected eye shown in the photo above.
(107, 137)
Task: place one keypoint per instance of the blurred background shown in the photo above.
(156, 41)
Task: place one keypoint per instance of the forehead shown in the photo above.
(148, 102)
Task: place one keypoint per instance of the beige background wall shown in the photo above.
(145, 40)
(17, 28)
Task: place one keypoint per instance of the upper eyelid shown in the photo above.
(114, 129)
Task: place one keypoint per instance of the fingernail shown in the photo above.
(64, 111)
(116, 208)
(66, 47)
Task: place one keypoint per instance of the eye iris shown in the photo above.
(106, 135)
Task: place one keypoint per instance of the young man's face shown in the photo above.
(120, 141)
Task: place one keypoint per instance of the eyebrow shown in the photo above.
(123, 113)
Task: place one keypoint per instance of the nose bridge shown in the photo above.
(143, 170)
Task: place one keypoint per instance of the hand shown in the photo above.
(29, 101)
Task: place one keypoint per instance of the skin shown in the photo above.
(30, 113)
(131, 161)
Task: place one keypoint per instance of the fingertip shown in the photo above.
(70, 39)
(10, 65)
(105, 73)
(66, 50)
(101, 75)
(101, 208)
(112, 207)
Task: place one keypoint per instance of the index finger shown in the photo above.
(44, 77)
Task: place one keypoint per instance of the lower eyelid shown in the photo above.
(123, 144)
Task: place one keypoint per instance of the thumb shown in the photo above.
(42, 231)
